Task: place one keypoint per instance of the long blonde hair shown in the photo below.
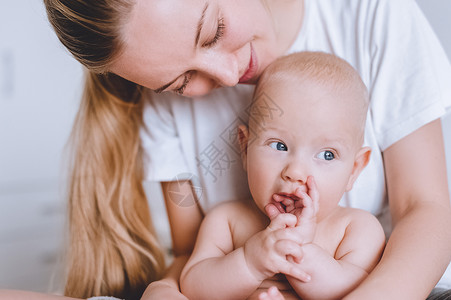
(113, 249)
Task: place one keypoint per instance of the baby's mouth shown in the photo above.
(287, 203)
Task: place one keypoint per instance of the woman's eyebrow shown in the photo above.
(200, 24)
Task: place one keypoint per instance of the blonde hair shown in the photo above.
(113, 249)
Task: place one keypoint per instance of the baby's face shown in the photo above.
(310, 132)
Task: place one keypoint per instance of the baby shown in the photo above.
(300, 162)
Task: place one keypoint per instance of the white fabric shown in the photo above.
(393, 48)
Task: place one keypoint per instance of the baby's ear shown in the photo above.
(361, 160)
(243, 138)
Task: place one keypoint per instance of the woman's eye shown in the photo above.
(326, 155)
(181, 89)
(278, 146)
(219, 33)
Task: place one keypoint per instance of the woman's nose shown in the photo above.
(222, 68)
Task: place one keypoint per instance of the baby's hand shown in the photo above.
(266, 252)
(273, 293)
(305, 208)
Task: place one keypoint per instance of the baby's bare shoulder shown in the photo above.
(354, 222)
(231, 210)
(229, 207)
(363, 240)
(242, 220)
(361, 224)
(355, 215)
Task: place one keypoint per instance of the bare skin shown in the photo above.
(302, 163)
(420, 205)
(235, 44)
(416, 183)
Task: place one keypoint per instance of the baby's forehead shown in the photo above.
(308, 105)
(305, 92)
(305, 70)
(265, 107)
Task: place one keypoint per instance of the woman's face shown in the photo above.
(193, 46)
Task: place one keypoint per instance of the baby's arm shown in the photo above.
(216, 270)
(332, 277)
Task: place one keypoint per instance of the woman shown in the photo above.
(202, 50)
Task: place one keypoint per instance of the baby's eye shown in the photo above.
(278, 146)
(326, 155)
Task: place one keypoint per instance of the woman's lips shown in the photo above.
(252, 68)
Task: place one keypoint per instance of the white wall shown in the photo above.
(438, 13)
(39, 91)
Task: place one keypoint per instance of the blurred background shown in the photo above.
(40, 87)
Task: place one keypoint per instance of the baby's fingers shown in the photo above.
(305, 208)
(273, 293)
(308, 201)
(294, 271)
(289, 250)
(313, 193)
(282, 221)
(272, 210)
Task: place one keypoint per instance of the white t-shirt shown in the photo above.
(391, 45)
